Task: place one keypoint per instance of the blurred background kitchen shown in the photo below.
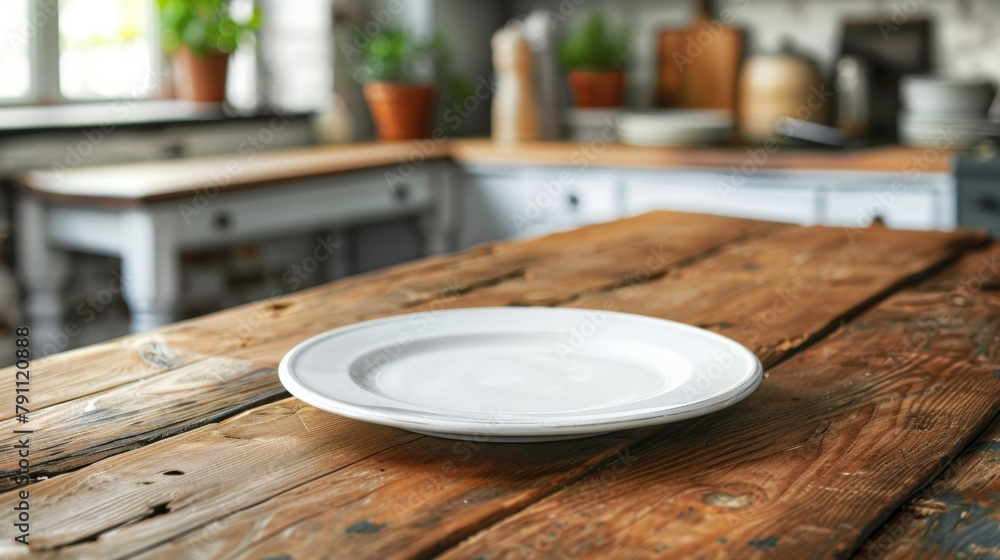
(536, 116)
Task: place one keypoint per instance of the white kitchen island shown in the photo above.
(147, 213)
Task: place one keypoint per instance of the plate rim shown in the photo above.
(409, 419)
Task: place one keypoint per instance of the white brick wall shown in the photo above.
(967, 32)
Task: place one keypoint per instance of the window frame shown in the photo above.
(44, 86)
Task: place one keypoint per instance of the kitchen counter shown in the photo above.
(177, 178)
(166, 179)
(889, 158)
(182, 443)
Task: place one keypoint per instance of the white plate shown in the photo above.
(519, 374)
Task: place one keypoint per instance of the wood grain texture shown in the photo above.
(956, 515)
(831, 443)
(203, 475)
(85, 430)
(428, 494)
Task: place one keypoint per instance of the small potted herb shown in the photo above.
(596, 57)
(401, 103)
(200, 34)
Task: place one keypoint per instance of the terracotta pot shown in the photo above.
(401, 111)
(597, 89)
(200, 79)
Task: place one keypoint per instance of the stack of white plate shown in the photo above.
(585, 125)
(675, 127)
(943, 112)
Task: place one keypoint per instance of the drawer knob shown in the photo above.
(222, 221)
(400, 191)
(987, 203)
(574, 201)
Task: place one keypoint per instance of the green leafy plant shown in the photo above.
(393, 56)
(594, 47)
(204, 26)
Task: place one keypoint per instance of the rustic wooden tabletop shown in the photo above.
(873, 434)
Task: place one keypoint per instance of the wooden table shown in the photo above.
(873, 433)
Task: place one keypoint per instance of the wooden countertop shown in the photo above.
(891, 158)
(166, 179)
(180, 442)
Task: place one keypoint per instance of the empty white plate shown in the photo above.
(519, 373)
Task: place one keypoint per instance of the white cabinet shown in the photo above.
(900, 202)
(710, 193)
(498, 204)
(510, 202)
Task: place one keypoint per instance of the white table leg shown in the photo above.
(43, 270)
(337, 266)
(437, 223)
(151, 267)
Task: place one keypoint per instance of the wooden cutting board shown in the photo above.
(698, 66)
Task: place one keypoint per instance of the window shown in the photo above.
(15, 50)
(73, 50)
(105, 49)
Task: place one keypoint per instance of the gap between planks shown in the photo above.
(563, 484)
(918, 271)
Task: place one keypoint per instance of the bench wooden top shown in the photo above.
(883, 369)
(159, 180)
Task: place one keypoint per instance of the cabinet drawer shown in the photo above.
(300, 206)
(920, 210)
(979, 205)
(795, 205)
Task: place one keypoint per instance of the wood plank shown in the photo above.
(897, 159)
(806, 467)
(179, 389)
(432, 493)
(86, 430)
(956, 515)
(818, 264)
(206, 473)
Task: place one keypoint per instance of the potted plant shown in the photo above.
(596, 57)
(401, 106)
(201, 34)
